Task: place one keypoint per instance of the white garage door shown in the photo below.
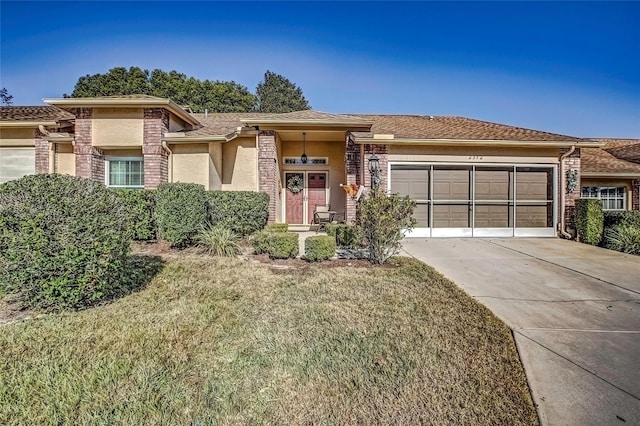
(16, 162)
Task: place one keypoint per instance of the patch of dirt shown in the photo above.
(10, 311)
(301, 263)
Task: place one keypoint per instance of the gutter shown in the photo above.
(474, 142)
(166, 148)
(562, 192)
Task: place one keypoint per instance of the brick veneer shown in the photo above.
(572, 162)
(156, 165)
(352, 166)
(89, 160)
(41, 152)
(382, 152)
(268, 169)
(635, 194)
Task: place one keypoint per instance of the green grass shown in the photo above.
(226, 341)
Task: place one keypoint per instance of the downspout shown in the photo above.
(563, 186)
(166, 148)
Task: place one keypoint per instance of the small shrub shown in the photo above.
(381, 219)
(140, 204)
(624, 238)
(181, 212)
(277, 227)
(589, 220)
(319, 248)
(278, 245)
(218, 241)
(64, 241)
(244, 212)
(620, 217)
(347, 236)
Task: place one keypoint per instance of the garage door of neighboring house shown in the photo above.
(456, 200)
(16, 163)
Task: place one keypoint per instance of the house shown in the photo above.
(469, 177)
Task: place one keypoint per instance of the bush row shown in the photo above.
(616, 230)
(177, 211)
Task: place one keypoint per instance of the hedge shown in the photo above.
(244, 212)
(181, 212)
(278, 245)
(589, 220)
(320, 247)
(64, 241)
(140, 204)
(346, 236)
(621, 217)
(277, 227)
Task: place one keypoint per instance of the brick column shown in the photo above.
(89, 160)
(572, 162)
(635, 194)
(352, 172)
(156, 170)
(268, 170)
(383, 156)
(42, 153)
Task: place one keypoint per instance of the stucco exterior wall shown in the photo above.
(473, 155)
(335, 167)
(64, 161)
(239, 168)
(17, 137)
(117, 127)
(191, 163)
(215, 166)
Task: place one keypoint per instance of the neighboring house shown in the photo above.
(469, 177)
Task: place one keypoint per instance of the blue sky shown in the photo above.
(570, 68)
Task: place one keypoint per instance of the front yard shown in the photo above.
(233, 341)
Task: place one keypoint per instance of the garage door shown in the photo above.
(16, 162)
(478, 200)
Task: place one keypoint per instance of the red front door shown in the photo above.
(316, 192)
(294, 200)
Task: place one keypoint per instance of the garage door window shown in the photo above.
(124, 173)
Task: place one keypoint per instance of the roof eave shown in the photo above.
(621, 175)
(29, 123)
(312, 122)
(199, 139)
(127, 103)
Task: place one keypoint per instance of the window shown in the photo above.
(124, 172)
(613, 198)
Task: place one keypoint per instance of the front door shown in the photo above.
(304, 190)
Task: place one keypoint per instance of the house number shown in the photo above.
(475, 157)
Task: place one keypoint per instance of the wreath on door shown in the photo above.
(295, 184)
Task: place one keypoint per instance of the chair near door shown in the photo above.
(322, 215)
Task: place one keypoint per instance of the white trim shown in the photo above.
(298, 162)
(108, 159)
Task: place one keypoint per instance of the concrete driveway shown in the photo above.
(575, 315)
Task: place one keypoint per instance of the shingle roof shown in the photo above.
(625, 149)
(34, 113)
(598, 160)
(439, 127)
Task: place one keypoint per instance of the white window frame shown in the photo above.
(606, 199)
(107, 172)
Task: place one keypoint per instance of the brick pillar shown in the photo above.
(83, 150)
(572, 162)
(42, 153)
(383, 156)
(156, 170)
(352, 166)
(635, 194)
(268, 169)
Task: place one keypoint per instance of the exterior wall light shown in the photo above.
(374, 170)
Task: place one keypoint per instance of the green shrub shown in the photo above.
(381, 219)
(244, 212)
(624, 238)
(218, 241)
(64, 241)
(347, 236)
(277, 227)
(181, 212)
(140, 204)
(589, 220)
(620, 217)
(320, 247)
(278, 245)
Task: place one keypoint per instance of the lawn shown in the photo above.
(232, 341)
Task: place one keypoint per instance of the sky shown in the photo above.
(563, 67)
